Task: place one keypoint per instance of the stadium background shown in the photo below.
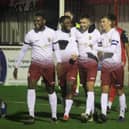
(16, 18)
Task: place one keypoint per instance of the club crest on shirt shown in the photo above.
(90, 37)
(49, 39)
(69, 34)
(110, 40)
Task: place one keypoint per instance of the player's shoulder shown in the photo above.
(76, 31)
(96, 31)
(73, 29)
(58, 31)
(30, 32)
(48, 29)
(114, 34)
(114, 31)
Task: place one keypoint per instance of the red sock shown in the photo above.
(112, 93)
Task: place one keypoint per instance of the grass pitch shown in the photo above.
(15, 97)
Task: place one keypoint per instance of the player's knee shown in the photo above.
(120, 91)
(69, 96)
(70, 82)
(50, 89)
(32, 84)
(105, 88)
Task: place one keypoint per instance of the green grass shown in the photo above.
(15, 96)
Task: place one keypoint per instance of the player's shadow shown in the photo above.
(42, 97)
(22, 116)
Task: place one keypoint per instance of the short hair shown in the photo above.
(63, 18)
(41, 14)
(110, 16)
(68, 11)
(85, 16)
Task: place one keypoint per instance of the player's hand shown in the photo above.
(91, 46)
(15, 73)
(74, 57)
(58, 68)
(100, 55)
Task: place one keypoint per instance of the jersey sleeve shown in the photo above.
(115, 41)
(21, 55)
(97, 41)
(56, 49)
(27, 39)
(27, 44)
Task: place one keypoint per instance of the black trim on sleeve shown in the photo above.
(124, 37)
(30, 44)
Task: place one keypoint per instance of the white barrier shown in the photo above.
(11, 53)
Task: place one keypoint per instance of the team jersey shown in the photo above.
(87, 42)
(41, 45)
(65, 46)
(111, 46)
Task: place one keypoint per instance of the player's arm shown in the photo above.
(96, 40)
(115, 41)
(74, 55)
(19, 59)
(107, 52)
(21, 55)
(56, 50)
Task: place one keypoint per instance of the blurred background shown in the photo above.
(16, 19)
(16, 16)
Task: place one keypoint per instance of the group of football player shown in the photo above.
(76, 50)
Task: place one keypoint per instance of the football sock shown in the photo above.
(31, 98)
(53, 104)
(89, 102)
(68, 105)
(109, 104)
(122, 105)
(104, 102)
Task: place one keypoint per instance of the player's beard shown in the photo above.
(83, 29)
(39, 27)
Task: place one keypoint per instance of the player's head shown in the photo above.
(107, 22)
(84, 22)
(68, 13)
(113, 18)
(66, 23)
(39, 21)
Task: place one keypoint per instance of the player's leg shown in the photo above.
(52, 101)
(122, 102)
(106, 81)
(77, 84)
(70, 83)
(33, 77)
(122, 99)
(112, 94)
(91, 77)
(49, 76)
